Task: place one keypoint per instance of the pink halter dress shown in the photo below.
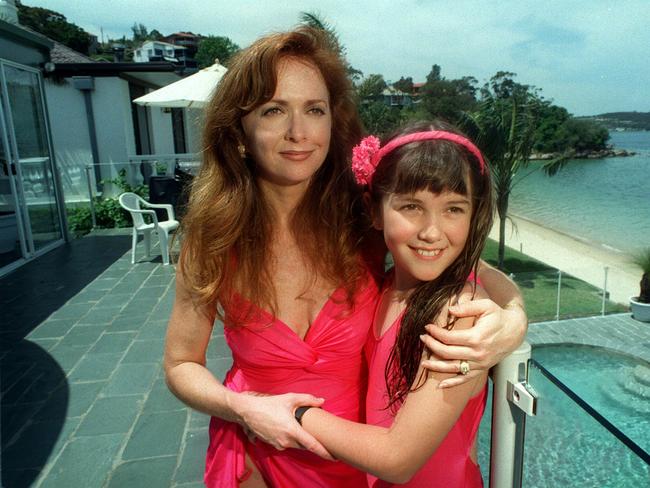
(269, 357)
(450, 466)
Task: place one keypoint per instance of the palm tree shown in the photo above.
(503, 126)
(315, 20)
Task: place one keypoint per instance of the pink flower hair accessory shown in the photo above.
(367, 154)
(363, 154)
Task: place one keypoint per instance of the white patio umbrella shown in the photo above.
(191, 92)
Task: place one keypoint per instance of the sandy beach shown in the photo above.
(577, 257)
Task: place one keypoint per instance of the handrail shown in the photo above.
(508, 421)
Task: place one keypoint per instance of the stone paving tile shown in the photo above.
(82, 335)
(116, 342)
(155, 329)
(154, 472)
(70, 312)
(219, 367)
(160, 399)
(150, 292)
(95, 367)
(97, 316)
(113, 300)
(53, 328)
(74, 399)
(103, 284)
(198, 420)
(90, 296)
(38, 443)
(132, 379)
(156, 434)
(67, 356)
(126, 323)
(111, 415)
(84, 462)
(46, 344)
(150, 351)
(192, 464)
(138, 308)
(15, 418)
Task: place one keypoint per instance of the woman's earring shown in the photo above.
(242, 151)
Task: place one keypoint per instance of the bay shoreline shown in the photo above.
(581, 258)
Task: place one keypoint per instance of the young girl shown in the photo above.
(429, 192)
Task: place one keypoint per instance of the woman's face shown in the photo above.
(289, 136)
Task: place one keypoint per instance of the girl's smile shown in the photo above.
(425, 232)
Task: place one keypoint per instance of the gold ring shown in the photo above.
(464, 368)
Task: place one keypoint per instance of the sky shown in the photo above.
(590, 57)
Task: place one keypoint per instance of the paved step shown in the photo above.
(626, 400)
(642, 374)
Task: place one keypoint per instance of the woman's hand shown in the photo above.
(496, 333)
(270, 418)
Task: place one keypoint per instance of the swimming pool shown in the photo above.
(565, 446)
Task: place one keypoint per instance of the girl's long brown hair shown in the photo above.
(226, 231)
(436, 166)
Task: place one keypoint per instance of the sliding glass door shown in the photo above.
(28, 192)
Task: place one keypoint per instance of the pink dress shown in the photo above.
(269, 357)
(450, 466)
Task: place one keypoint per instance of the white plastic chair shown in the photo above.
(134, 205)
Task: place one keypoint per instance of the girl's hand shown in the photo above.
(496, 333)
(270, 418)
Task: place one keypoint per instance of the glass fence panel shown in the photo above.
(566, 446)
(551, 296)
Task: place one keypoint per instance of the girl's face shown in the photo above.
(425, 232)
(289, 136)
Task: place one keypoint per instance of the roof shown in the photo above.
(61, 53)
(182, 34)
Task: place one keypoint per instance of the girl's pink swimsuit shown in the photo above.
(269, 357)
(450, 465)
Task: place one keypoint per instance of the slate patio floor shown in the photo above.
(84, 403)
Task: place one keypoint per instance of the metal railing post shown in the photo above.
(602, 311)
(559, 291)
(509, 402)
(90, 195)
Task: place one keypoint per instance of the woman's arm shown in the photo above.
(270, 418)
(397, 453)
(501, 325)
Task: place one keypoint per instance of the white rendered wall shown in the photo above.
(70, 138)
(161, 131)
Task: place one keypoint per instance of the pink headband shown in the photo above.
(367, 154)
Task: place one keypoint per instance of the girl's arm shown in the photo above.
(501, 325)
(397, 453)
(270, 418)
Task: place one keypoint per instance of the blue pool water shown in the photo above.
(564, 445)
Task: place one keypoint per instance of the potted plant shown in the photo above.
(641, 305)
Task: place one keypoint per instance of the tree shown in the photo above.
(313, 19)
(504, 126)
(404, 85)
(371, 87)
(379, 119)
(215, 47)
(55, 26)
(448, 99)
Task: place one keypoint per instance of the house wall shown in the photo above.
(193, 129)
(70, 137)
(161, 131)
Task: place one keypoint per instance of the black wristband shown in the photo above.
(300, 411)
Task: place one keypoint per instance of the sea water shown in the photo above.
(602, 201)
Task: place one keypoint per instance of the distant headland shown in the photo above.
(622, 121)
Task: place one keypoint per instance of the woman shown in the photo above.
(273, 245)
